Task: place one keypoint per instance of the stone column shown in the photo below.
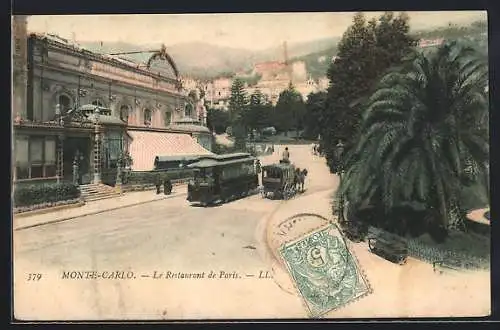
(19, 51)
(75, 169)
(118, 183)
(60, 157)
(97, 154)
(97, 147)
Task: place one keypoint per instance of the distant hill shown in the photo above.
(205, 61)
(453, 31)
(317, 63)
(475, 32)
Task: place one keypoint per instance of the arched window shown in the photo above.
(147, 117)
(188, 110)
(124, 113)
(168, 118)
(64, 102)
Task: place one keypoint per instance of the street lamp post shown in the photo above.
(60, 146)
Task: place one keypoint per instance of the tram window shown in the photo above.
(231, 171)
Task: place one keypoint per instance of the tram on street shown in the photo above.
(222, 178)
(176, 162)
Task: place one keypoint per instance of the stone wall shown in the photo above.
(19, 52)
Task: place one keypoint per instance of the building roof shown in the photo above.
(143, 68)
(189, 128)
(204, 163)
(236, 155)
(170, 158)
(145, 146)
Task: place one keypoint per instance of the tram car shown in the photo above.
(278, 181)
(177, 162)
(222, 178)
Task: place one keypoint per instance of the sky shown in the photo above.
(249, 31)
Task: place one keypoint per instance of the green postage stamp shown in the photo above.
(325, 272)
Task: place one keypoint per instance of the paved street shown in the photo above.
(163, 235)
(171, 236)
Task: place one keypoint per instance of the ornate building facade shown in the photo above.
(85, 107)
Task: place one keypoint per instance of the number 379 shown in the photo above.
(34, 277)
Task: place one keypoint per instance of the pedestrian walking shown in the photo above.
(158, 183)
(286, 156)
(167, 186)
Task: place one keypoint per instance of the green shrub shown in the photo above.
(45, 193)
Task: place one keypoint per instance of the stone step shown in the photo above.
(100, 194)
(96, 188)
(93, 192)
(92, 199)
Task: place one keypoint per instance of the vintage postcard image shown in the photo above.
(250, 166)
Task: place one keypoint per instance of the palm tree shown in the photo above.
(422, 127)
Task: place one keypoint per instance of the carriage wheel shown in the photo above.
(288, 191)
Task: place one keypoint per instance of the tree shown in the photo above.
(422, 128)
(366, 51)
(290, 110)
(258, 113)
(238, 100)
(218, 120)
(237, 107)
(314, 109)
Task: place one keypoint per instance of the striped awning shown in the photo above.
(145, 146)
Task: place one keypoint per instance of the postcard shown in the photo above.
(250, 166)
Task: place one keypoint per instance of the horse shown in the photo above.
(300, 178)
(315, 150)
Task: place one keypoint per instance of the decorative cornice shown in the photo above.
(165, 130)
(107, 80)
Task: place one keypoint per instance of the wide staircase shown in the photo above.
(97, 191)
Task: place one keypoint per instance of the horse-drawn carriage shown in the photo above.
(282, 181)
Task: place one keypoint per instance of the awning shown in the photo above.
(145, 146)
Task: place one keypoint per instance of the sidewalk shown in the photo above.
(478, 216)
(126, 200)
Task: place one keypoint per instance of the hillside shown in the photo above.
(476, 33)
(204, 61)
(453, 31)
(317, 63)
